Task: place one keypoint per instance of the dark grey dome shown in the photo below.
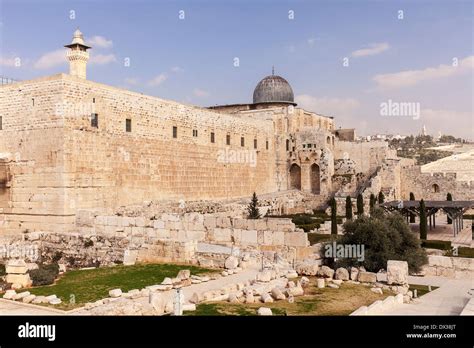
(273, 89)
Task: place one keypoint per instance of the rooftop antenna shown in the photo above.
(273, 70)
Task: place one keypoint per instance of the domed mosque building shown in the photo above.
(304, 140)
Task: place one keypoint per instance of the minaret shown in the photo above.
(77, 55)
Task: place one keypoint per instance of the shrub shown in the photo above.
(45, 274)
(309, 227)
(385, 237)
(2, 270)
(436, 244)
(466, 252)
(57, 256)
(315, 238)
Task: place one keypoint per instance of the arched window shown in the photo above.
(435, 188)
(295, 177)
(287, 144)
(328, 140)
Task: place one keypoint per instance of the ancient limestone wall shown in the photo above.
(31, 148)
(222, 230)
(450, 267)
(366, 155)
(434, 186)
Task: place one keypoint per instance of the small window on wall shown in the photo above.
(1, 122)
(195, 132)
(95, 120)
(227, 139)
(213, 140)
(242, 141)
(128, 125)
(33, 101)
(287, 145)
(175, 132)
(255, 143)
(266, 144)
(93, 100)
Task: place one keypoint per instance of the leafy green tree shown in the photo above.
(412, 216)
(333, 216)
(423, 221)
(254, 212)
(348, 208)
(360, 205)
(385, 236)
(381, 197)
(449, 197)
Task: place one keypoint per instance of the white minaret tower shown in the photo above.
(77, 55)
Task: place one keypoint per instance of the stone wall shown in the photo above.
(450, 267)
(58, 163)
(367, 156)
(423, 185)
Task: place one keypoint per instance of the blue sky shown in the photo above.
(192, 59)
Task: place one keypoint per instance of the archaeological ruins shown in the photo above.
(104, 176)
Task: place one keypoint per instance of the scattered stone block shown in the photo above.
(367, 277)
(264, 311)
(397, 272)
(342, 274)
(115, 293)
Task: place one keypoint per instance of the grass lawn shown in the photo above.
(421, 289)
(327, 301)
(94, 284)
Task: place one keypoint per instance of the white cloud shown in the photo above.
(10, 62)
(51, 59)
(131, 81)
(99, 42)
(158, 80)
(372, 50)
(200, 93)
(177, 69)
(328, 106)
(102, 59)
(412, 77)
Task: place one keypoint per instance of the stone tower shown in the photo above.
(77, 55)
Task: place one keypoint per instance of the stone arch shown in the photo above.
(315, 177)
(295, 177)
(435, 188)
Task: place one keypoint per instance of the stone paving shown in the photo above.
(449, 299)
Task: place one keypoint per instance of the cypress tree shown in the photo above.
(423, 221)
(254, 212)
(333, 216)
(412, 216)
(372, 202)
(348, 208)
(381, 197)
(360, 205)
(449, 197)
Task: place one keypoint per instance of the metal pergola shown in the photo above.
(454, 210)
